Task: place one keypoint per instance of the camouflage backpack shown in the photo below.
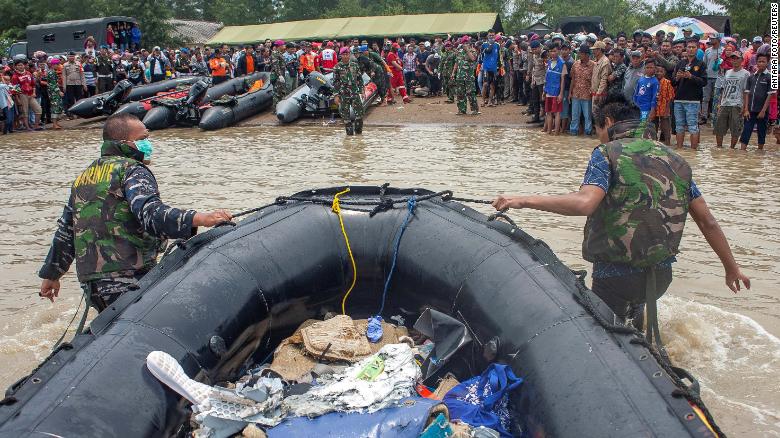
(108, 239)
(641, 219)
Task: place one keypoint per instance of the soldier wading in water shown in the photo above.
(637, 194)
(463, 76)
(348, 83)
(115, 224)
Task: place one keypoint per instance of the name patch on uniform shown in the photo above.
(95, 175)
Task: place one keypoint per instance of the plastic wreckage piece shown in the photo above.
(374, 329)
(168, 371)
(440, 428)
(484, 400)
(373, 368)
(448, 336)
(346, 392)
(221, 412)
(407, 419)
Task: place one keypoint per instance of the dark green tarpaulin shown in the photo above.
(369, 27)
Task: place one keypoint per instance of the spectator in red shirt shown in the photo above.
(27, 102)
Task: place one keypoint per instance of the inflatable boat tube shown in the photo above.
(291, 107)
(301, 101)
(164, 116)
(228, 296)
(97, 106)
(222, 115)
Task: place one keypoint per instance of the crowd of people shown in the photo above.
(678, 82)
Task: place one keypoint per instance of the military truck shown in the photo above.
(65, 36)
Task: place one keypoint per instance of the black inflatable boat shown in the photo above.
(224, 113)
(226, 297)
(106, 103)
(186, 111)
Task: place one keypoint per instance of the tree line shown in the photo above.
(748, 17)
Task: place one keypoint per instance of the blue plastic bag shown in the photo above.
(484, 400)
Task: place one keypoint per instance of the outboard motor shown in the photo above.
(197, 93)
(188, 109)
(320, 89)
(110, 103)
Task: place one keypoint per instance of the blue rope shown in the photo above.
(410, 205)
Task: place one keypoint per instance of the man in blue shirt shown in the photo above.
(490, 52)
(625, 287)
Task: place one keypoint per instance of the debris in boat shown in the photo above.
(295, 361)
(348, 391)
(440, 428)
(374, 329)
(407, 419)
(342, 382)
(447, 334)
(445, 385)
(484, 400)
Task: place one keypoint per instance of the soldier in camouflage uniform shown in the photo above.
(374, 67)
(115, 224)
(463, 76)
(348, 84)
(278, 68)
(637, 193)
(447, 64)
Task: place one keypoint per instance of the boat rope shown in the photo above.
(336, 207)
(81, 324)
(639, 339)
(411, 204)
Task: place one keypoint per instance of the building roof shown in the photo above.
(192, 31)
(721, 23)
(369, 27)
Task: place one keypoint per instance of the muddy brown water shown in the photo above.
(730, 342)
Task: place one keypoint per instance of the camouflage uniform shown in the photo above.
(380, 78)
(376, 72)
(640, 221)
(447, 62)
(278, 68)
(114, 225)
(348, 84)
(465, 88)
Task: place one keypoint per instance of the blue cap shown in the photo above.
(363, 48)
(535, 44)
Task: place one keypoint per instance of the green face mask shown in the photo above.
(145, 146)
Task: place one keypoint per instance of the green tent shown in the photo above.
(368, 27)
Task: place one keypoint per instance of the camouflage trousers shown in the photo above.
(280, 91)
(350, 102)
(103, 293)
(466, 90)
(448, 88)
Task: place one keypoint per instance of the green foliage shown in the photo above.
(748, 17)
(618, 15)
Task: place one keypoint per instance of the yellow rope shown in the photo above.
(337, 209)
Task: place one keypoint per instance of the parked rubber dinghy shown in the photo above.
(229, 110)
(315, 97)
(186, 111)
(107, 103)
(224, 299)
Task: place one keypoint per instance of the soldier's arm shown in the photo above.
(157, 218)
(711, 230)
(62, 251)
